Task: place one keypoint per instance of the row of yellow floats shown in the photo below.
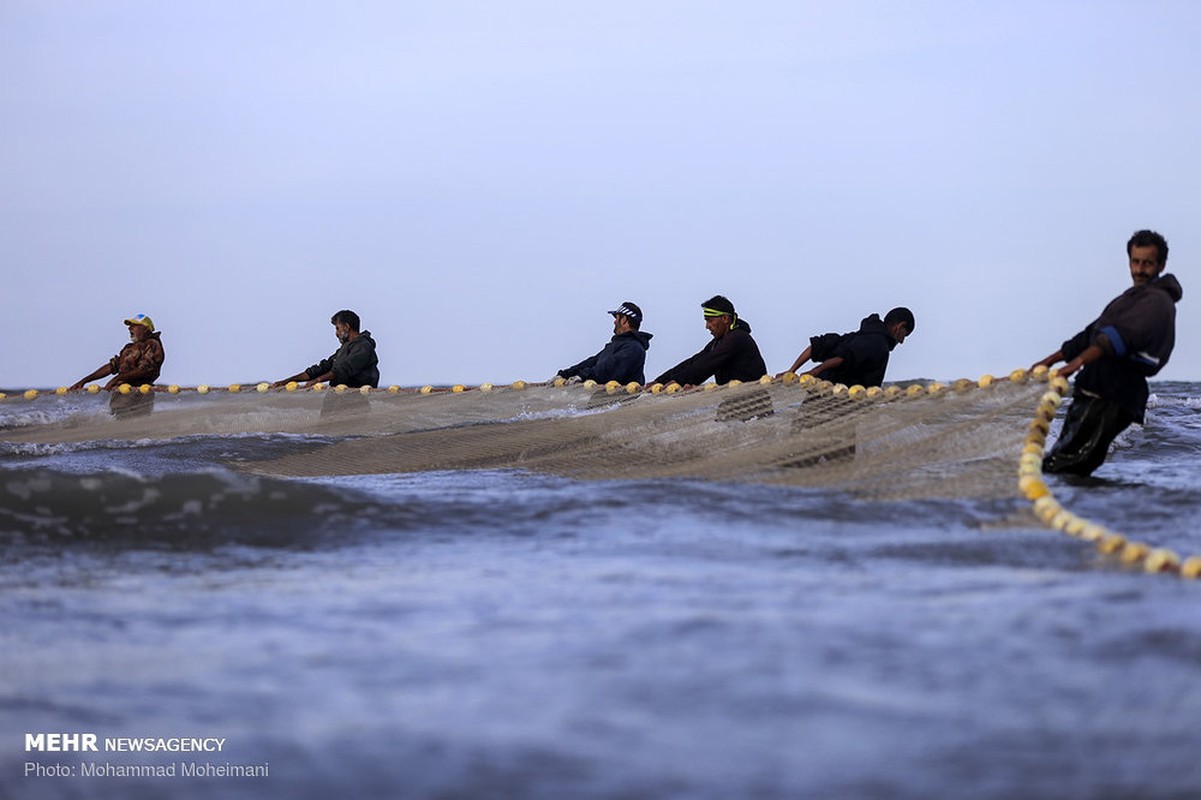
(1030, 477)
(1047, 508)
(612, 387)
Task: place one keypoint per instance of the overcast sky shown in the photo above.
(482, 181)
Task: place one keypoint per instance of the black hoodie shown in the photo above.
(354, 364)
(733, 357)
(621, 360)
(1137, 331)
(864, 353)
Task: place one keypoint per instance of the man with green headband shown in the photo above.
(731, 356)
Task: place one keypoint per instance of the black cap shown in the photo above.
(628, 309)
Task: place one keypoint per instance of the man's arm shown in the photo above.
(1049, 361)
(1091, 353)
(581, 370)
(324, 377)
(686, 373)
(1084, 348)
(100, 372)
(700, 367)
(318, 373)
(825, 366)
(298, 377)
(801, 359)
(1069, 349)
(1103, 346)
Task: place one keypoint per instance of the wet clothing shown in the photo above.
(1137, 332)
(864, 353)
(353, 365)
(733, 357)
(1089, 428)
(622, 359)
(134, 404)
(139, 362)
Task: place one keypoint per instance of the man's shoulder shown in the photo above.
(361, 342)
(1153, 298)
(631, 339)
(1169, 285)
(866, 340)
(733, 340)
(742, 335)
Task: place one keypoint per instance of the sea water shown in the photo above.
(509, 635)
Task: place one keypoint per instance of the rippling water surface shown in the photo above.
(500, 634)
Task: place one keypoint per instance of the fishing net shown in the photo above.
(958, 440)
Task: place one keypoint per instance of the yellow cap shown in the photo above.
(141, 319)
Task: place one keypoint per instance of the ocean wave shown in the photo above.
(16, 417)
(185, 510)
(156, 456)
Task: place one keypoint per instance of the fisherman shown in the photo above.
(1115, 354)
(139, 363)
(857, 358)
(623, 358)
(353, 365)
(731, 355)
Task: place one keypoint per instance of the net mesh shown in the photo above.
(920, 441)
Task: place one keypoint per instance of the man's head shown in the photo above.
(626, 317)
(346, 325)
(140, 326)
(899, 322)
(720, 316)
(1148, 252)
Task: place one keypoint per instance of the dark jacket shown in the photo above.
(621, 360)
(864, 353)
(1137, 331)
(733, 357)
(354, 364)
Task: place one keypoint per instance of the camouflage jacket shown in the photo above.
(139, 362)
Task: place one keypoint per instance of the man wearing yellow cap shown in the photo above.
(139, 362)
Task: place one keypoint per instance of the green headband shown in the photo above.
(713, 312)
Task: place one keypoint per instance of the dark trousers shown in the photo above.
(1090, 426)
(134, 404)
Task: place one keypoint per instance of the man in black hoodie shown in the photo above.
(353, 365)
(858, 358)
(732, 355)
(623, 358)
(1115, 354)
